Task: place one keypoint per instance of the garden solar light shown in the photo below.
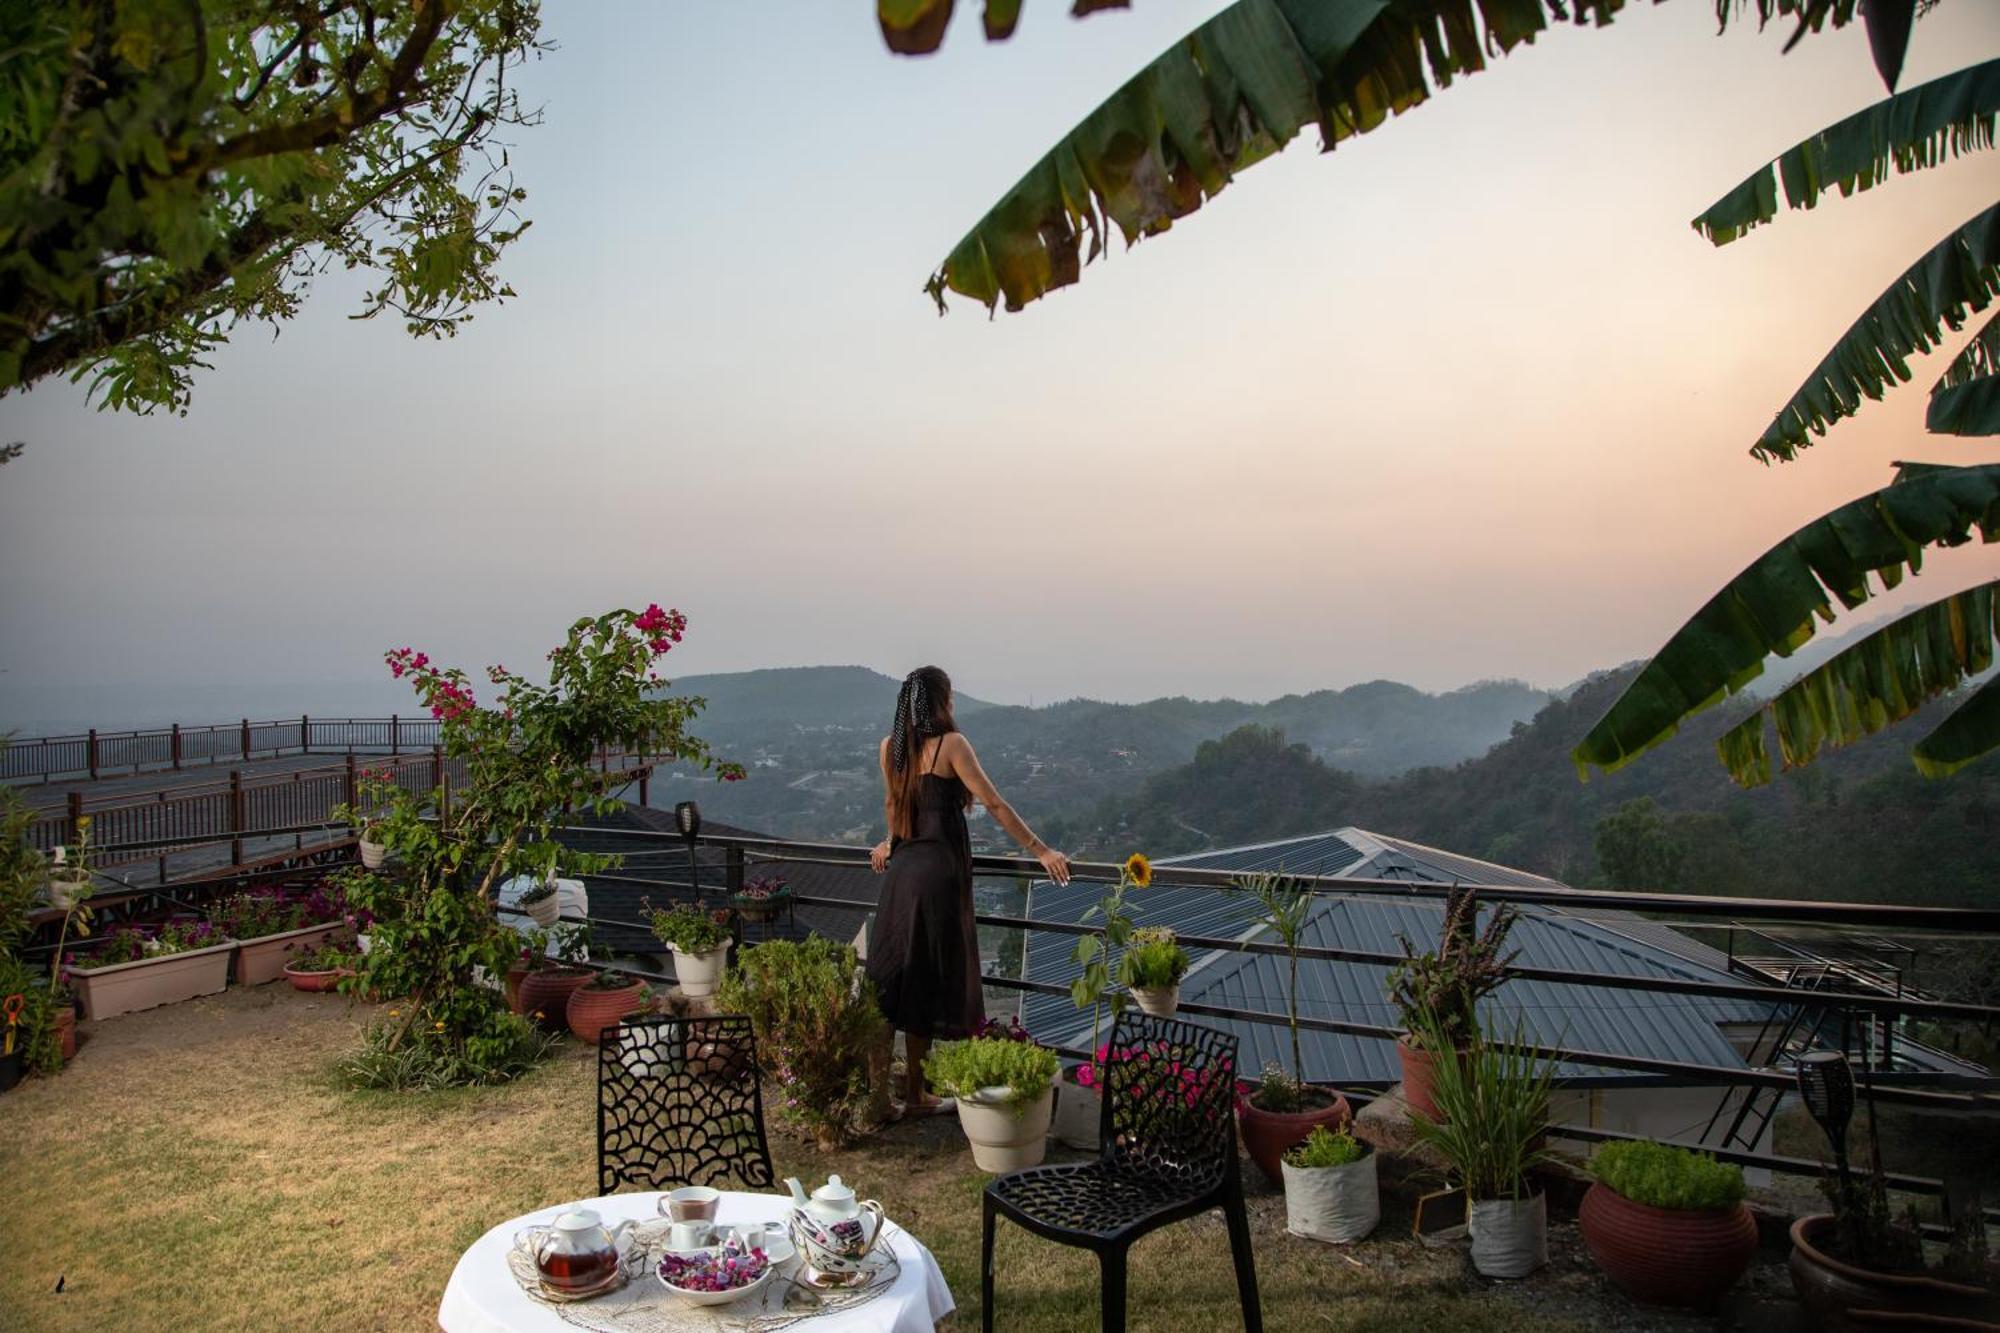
(1826, 1081)
(688, 816)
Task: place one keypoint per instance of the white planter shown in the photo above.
(1077, 1115)
(362, 941)
(1510, 1237)
(1332, 1203)
(699, 972)
(65, 891)
(124, 988)
(373, 854)
(544, 912)
(1004, 1137)
(1158, 1001)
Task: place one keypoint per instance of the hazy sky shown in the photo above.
(1466, 399)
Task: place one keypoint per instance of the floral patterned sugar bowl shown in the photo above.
(716, 1276)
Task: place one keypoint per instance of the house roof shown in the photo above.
(1633, 1022)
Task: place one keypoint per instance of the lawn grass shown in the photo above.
(200, 1167)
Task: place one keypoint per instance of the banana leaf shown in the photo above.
(1924, 127)
(1878, 681)
(1771, 606)
(916, 27)
(1972, 730)
(1966, 398)
(1957, 277)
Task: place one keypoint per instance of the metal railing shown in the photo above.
(97, 754)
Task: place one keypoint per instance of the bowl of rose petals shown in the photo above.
(716, 1275)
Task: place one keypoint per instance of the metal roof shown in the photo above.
(1675, 1027)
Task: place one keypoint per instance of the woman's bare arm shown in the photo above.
(878, 855)
(957, 752)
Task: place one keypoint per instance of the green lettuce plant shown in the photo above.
(963, 1068)
(1326, 1148)
(1662, 1176)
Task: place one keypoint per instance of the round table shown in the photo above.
(483, 1297)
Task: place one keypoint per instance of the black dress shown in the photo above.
(923, 954)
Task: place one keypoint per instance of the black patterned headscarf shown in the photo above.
(917, 714)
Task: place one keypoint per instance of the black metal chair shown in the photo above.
(679, 1103)
(1168, 1137)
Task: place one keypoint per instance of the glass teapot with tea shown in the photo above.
(576, 1252)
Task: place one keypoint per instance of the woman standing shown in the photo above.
(923, 954)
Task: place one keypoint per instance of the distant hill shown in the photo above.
(1860, 823)
(809, 736)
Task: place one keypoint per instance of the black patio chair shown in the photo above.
(1168, 1151)
(679, 1103)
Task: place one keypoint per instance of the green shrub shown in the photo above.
(962, 1068)
(1326, 1147)
(814, 1012)
(1667, 1177)
(417, 1058)
(689, 929)
(1154, 958)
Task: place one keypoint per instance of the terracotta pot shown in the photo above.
(592, 1009)
(66, 1030)
(1079, 1113)
(761, 910)
(1158, 1001)
(513, 986)
(316, 981)
(1842, 1296)
(698, 973)
(546, 992)
(1419, 1082)
(1668, 1256)
(717, 1061)
(269, 957)
(1266, 1134)
(123, 988)
(373, 854)
(1003, 1137)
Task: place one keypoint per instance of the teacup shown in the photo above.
(691, 1203)
(773, 1238)
(693, 1234)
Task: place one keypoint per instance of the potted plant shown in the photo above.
(818, 1027)
(1330, 1186)
(372, 849)
(271, 924)
(1005, 1092)
(699, 940)
(1494, 1110)
(1153, 966)
(1667, 1225)
(606, 998)
(1079, 1109)
(320, 969)
(1281, 1109)
(137, 969)
(70, 878)
(552, 974)
(1446, 984)
(761, 899)
(542, 903)
(1081, 1106)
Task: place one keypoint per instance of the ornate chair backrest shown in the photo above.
(1170, 1101)
(679, 1103)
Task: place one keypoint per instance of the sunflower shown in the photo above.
(1139, 870)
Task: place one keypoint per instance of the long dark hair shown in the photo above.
(923, 710)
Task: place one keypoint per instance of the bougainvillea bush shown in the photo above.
(529, 756)
(817, 1024)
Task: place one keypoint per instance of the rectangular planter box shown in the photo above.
(263, 959)
(123, 988)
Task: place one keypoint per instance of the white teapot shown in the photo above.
(833, 1231)
(576, 1252)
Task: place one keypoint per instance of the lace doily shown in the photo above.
(642, 1305)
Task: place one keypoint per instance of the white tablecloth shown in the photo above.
(483, 1297)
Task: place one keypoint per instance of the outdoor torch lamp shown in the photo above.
(687, 817)
(1826, 1082)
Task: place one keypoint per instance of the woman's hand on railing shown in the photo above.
(878, 856)
(1055, 863)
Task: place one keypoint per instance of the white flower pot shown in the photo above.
(1077, 1115)
(65, 891)
(362, 941)
(545, 912)
(373, 854)
(699, 972)
(1004, 1137)
(1510, 1237)
(1158, 1001)
(1332, 1203)
(123, 988)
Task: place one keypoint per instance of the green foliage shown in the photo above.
(689, 929)
(1495, 1106)
(817, 1024)
(326, 958)
(1437, 992)
(1153, 957)
(1966, 398)
(1286, 905)
(1662, 1176)
(501, 1048)
(1325, 1148)
(529, 763)
(1637, 849)
(1094, 952)
(963, 1068)
(21, 871)
(35, 1034)
(170, 168)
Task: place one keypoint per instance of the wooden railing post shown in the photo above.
(305, 734)
(177, 744)
(92, 754)
(236, 815)
(353, 783)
